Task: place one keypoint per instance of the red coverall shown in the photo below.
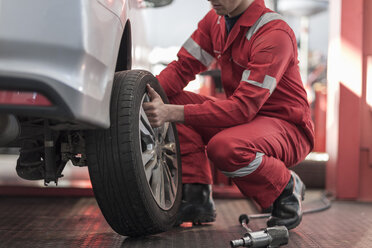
(264, 125)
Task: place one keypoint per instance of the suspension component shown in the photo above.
(50, 156)
(40, 153)
(73, 148)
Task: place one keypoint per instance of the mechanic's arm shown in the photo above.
(271, 54)
(270, 57)
(195, 56)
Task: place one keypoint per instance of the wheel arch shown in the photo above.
(124, 60)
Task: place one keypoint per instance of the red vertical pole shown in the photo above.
(320, 112)
(344, 97)
(365, 186)
(349, 114)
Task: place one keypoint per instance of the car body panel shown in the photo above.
(69, 45)
(119, 8)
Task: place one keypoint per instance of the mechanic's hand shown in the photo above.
(155, 110)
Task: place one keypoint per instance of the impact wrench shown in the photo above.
(268, 237)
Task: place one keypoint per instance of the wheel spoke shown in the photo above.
(147, 139)
(171, 161)
(150, 164)
(164, 130)
(157, 183)
(162, 187)
(144, 129)
(147, 156)
(171, 189)
(145, 123)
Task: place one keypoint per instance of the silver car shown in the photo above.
(68, 93)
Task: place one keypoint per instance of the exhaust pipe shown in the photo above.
(9, 129)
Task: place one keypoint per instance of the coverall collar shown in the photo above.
(252, 13)
(249, 17)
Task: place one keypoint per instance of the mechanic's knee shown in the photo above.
(222, 151)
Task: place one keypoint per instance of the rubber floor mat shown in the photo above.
(77, 222)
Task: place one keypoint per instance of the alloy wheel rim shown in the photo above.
(159, 159)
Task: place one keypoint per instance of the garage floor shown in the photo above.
(77, 222)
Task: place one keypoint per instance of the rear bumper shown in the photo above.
(58, 110)
(62, 108)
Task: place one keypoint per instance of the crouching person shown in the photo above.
(262, 128)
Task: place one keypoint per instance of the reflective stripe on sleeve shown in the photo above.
(264, 19)
(245, 171)
(197, 52)
(268, 83)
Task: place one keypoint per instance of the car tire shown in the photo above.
(135, 169)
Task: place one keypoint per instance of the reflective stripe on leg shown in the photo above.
(245, 171)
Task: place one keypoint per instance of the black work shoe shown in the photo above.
(197, 204)
(287, 209)
(30, 166)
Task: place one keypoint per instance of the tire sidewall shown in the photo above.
(156, 214)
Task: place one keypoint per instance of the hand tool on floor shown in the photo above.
(269, 237)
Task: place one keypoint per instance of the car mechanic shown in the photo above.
(262, 128)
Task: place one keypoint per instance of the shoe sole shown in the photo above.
(198, 219)
(204, 219)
